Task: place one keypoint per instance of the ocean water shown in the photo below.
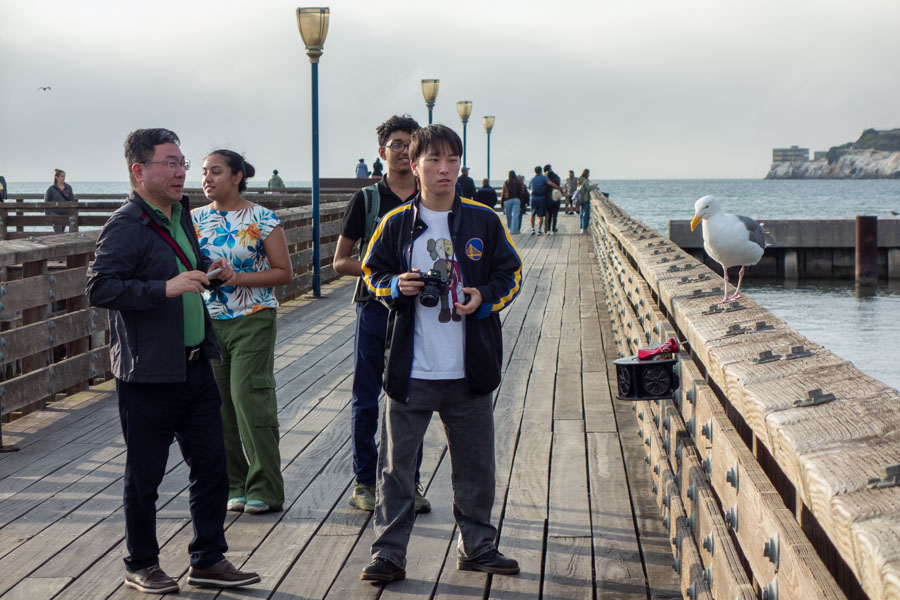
(858, 325)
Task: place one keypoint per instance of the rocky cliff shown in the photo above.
(875, 155)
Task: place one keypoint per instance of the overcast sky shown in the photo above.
(629, 88)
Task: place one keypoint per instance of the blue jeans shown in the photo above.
(368, 368)
(513, 208)
(585, 214)
(469, 426)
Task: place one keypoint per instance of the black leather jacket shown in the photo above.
(128, 276)
(488, 260)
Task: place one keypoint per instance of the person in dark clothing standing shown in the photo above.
(149, 272)
(553, 200)
(466, 184)
(397, 186)
(60, 191)
(486, 194)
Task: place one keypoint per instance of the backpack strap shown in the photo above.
(373, 205)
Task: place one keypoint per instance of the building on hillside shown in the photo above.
(792, 154)
(820, 154)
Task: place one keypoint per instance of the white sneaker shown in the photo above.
(582, 231)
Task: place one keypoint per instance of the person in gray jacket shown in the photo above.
(149, 272)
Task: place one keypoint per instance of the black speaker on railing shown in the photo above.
(650, 379)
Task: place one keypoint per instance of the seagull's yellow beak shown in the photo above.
(695, 221)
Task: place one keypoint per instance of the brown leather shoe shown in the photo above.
(150, 580)
(223, 574)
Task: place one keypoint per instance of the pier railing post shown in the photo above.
(867, 250)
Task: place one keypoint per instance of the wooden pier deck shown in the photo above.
(574, 505)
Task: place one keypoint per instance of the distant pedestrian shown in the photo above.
(540, 196)
(553, 199)
(60, 191)
(512, 199)
(466, 184)
(486, 194)
(362, 170)
(585, 187)
(276, 183)
(570, 187)
(251, 238)
(377, 168)
(3, 190)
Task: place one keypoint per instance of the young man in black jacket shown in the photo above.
(445, 267)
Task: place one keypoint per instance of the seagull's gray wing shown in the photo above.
(755, 233)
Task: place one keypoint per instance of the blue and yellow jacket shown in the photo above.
(488, 260)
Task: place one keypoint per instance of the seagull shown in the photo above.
(731, 240)
(44, 88)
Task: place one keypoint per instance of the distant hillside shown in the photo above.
(875, 155)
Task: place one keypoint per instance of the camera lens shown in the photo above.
(429, 296)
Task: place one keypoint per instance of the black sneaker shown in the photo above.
(382, 570)
(151, 580)
(223, 574)
(489, 562)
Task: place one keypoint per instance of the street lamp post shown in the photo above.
(488, 125)
(464, 108)
(430, 91)
(313, 26)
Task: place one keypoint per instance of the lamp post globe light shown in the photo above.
(430, 91)
(488, 125)
(313, 26)
(464, 108)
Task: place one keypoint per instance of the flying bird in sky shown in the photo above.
(731, 240)
(44, 88)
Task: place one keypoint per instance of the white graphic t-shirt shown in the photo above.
(439, 330)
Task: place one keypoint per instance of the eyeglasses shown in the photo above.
(172, 164)
(398, 146)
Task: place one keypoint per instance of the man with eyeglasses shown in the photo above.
(396, 187)
(149, 272)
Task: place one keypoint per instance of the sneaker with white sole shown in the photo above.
(236, 504)
(223, 574)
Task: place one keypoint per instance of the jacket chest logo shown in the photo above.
(474, 249)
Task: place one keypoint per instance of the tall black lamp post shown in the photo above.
(313, 26)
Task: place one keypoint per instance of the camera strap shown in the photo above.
(168, 238)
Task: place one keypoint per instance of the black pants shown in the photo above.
(152, 414)
(552, 212)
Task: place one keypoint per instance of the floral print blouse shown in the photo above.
(237, 236)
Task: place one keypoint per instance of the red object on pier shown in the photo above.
(670, 346)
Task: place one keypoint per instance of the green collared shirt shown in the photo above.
(191, 302)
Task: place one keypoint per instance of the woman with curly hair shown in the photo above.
(252, 239)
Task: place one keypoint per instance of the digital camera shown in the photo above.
(436, 285)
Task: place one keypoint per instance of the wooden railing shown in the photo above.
(52, 342)
(23, 215)
(773, 463)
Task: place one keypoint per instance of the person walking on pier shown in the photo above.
(365, 209)
(466, 184)
(60, 191)
(440, 356)
(540, 196)
(512, 199)
(251, 239)
(362, 169)
(570, 187)
(585, 187)
(149, 272)
(553, 199)
(486, 194)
